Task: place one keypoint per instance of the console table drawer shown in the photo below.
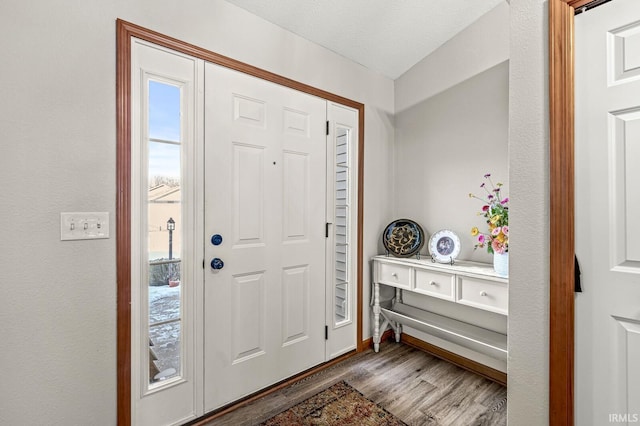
(483, 294)
(435, 284)
(394, 275)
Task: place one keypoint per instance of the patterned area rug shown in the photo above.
(338, 405)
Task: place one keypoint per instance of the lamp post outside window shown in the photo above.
(171, 225)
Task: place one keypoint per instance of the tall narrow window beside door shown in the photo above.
(165, 243)
(164, 229)
(342, 211)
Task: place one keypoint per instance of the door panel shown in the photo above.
(265, 193)
(607, 196)
(247, 337)
(295, 307)
(248, 194)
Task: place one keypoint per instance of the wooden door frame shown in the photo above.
(562, 233)
(125, 32)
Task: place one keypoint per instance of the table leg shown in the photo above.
(398, 327)
(376, 317)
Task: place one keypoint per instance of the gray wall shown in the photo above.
(57, 121)
(529, 246)
(444, 146)
(452, 114)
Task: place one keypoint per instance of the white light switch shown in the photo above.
(84, 225)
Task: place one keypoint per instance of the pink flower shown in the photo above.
(505, 231)
(487, 175)
(485, 208)
(505, 201)
(481, 238)
(497, 246)
(496, 231)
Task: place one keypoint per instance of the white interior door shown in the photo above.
(608, 214)
(265, 195)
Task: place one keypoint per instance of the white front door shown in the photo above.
(265, 196)
(607, 159)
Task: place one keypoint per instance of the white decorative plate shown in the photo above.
(444, 246)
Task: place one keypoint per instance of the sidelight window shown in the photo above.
(342, 224)
(164, 229)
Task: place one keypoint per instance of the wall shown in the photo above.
(480, 46)
(529, 181)
(445, 145)
(57, 116)
(451, 129)
(452, 121)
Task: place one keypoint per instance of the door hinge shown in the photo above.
(326, 229)
(326, 332)
(327, 127)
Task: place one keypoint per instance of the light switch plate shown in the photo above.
(84, 225)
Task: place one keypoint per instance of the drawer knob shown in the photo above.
(483, 293)
(394, 275)
(433, 283)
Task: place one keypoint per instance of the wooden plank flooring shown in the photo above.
(414, 386)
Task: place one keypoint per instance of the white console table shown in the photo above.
(467, 283)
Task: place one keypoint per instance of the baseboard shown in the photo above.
(466, 363)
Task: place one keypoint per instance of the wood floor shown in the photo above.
(414, 386)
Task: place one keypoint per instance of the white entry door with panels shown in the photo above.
(607, 159)
(265, 195)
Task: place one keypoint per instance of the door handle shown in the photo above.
(216, 239)
(217, 263)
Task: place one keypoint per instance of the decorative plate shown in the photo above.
(444, 246)
(403, 238)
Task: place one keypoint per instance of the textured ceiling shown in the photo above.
(388, 36)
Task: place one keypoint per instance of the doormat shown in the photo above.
(338, 405)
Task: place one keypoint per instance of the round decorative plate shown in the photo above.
(403, 238)
(444, 246)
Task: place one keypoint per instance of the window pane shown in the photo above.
(164, 351)
(164, 231)
(342, 302)
(164, 111)
(164, 303)
(341, 249)
(164, 167)
(342, 186)
(342, 147)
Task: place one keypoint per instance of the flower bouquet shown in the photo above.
(496, 212)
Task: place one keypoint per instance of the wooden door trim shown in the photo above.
(123, 222)
(562, 232)
(125, 32)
